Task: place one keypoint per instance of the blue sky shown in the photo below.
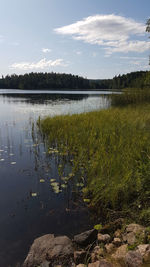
(91, 38)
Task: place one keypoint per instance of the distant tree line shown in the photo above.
(44, 81)
(139, 79)
(50, 81)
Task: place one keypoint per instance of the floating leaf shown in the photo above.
(71, 175)
(13, 163)
(64, 186)
(42, 180)
(65, 179)
(54, 184)
(1, 159)
(52, 180)
(34, 145)
(79, 184)
(11, 154)
(1, 150)
(33, 194)
(87, 200)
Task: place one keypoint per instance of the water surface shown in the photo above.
(29, 206)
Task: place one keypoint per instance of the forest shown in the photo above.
(49, 81)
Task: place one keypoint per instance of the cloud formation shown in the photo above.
(46, 50)
(42, 64)
(113, 32)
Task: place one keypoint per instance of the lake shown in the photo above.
(29, 205)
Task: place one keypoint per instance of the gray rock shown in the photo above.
(103, 238)
(109, 248)
(135, 228)
(97, 253)
(134, 233)
(120, 253)
(50, 248)
(133, 259)
(117, 241)
(45, 264)
(143, 249)
(129, 238)
(86, 238)
(101, 263)
(117, 233)
(79, 256)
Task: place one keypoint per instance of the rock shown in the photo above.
(86, 238)
(135, 228)
(53, 249)
(117, 233)
(145, 252)
(135, 233)
(97, 253)
(120, 252)
(109, 248)
(146, 257)
(112, 226)
(103, 238)
(45, 264)
(79, 256)
(143, 249)
(117, 241)
(102, 263)
(129, 238)
(133, 259)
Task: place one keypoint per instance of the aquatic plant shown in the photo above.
(111, 150)
(131, 96)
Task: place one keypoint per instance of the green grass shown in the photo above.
(130, 97)
(112, 147)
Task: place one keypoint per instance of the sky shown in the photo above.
(95, 39)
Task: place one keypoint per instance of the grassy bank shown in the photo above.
(131, 97)
(112, 149)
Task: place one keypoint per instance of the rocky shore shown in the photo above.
(114, 245)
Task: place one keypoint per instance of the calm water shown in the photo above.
(29, 205)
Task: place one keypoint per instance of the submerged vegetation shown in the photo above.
(111, 150)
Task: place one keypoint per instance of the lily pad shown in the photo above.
(63, 186)
(42, 180)
(33, 194)
(86, 200)
(79, 184)
(54, 184)
(52, 180)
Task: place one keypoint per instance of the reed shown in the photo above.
(130, 97)
(112, 147)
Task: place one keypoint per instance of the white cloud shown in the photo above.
(42, 64)
(110, 31)
(78, 53)
(46, 50)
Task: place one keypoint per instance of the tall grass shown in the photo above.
(113, 149)
(131, 96)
